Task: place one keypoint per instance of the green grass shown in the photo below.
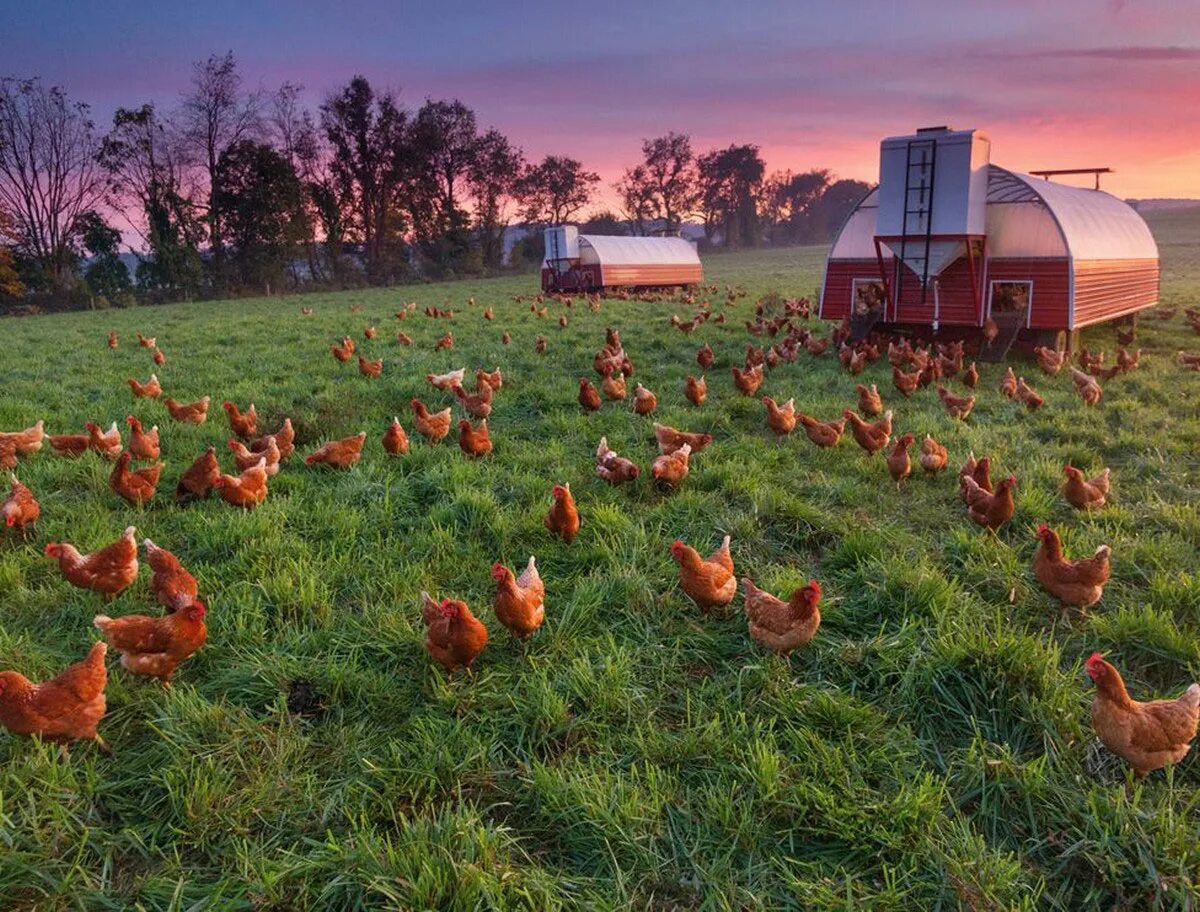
(929, 750)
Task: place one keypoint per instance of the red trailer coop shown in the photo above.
(949, 241)
(587, 262)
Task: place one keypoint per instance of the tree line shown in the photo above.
(243, 191)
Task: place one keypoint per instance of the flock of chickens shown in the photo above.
(1147, 735)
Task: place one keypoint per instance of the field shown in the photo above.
(929, 750)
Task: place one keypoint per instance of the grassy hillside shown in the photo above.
(929, 750)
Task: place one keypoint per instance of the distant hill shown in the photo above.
(1159, 205)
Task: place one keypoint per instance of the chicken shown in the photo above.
(477, 405)
(403, 338)
(747, 381)
(669, 439)
(1090, 361)
(341, 454)
(990, 509)
(869, 402)
(283, 440)
(173, 587)
(971, 376)
(563, 518)
(695, 390)
(445, 343)
(1008, 384)
(991, 330)
(453, 636)
(1075, 583)
(65, 708)
(612, 468)
(188, 413)
(670, 469)
(494, 379)
(474, 441)
(1087, 387)
(107, 571)
(151, 389)
(520, 601)
(200, 478)
(1026, 394)
(370, 332)
(540, 345)
(816, 346)
(1083, 494)
(247, 490)
(113, 340)
(781, 419)
(137, 486)
(155, 646)
(8, 454)
(933, 457)
(245, 458)
(780, 626)
(613, 386)
(70, 445)
(644, 401)
(709, 583)
(1049, 360)
(447, 381)
(906, 383)
(145, 342)
(159, 358)
(370, 368)
(589, 396)
(1147, 736)
(822, 433)
(142, 444)
(395, 440)
(244, 424)
(705, 357)
(898, 461)
(344, 351)
(872, 437)
(107, 443)
(978, 471)
(21, 508)
(1128, 362)
(433, 426)
(958, 407)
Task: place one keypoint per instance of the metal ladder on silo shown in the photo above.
(920, 167)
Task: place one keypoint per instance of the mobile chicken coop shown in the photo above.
(588, 262)
(949, 240)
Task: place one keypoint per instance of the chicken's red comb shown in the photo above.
(1043, 529)
(10, 520)
(1094, 658)
(814, 586)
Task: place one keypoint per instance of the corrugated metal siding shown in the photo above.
(1105, 289)
(1051, 280)
(651, 274)
(839, 279)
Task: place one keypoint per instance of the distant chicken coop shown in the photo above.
(948, 241)
(588, 262)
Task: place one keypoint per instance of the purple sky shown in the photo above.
(1057, 84)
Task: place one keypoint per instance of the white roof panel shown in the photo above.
(635, 251)
(1095, 225)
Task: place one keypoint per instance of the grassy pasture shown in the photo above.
(929, 750)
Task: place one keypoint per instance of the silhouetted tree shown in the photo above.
(48, 176)
(555, 190)
(444, 143)
(215, 114)
(370, 159)
(730, 180)
(11, 285)
(836, 204)
(663, 189)
(106, 275)
(788, 202)
(605, 222)
(258, 201)
(493, 180)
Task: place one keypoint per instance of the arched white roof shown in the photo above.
(1095, 225)
(1030, 217)
(635, 251)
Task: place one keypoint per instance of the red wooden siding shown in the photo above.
(839, 281)
(1051, 278)
(1105, 289)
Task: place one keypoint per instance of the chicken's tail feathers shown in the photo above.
(1104, 551)
(101, 622)
(1191, 696)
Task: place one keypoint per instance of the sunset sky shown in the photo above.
(1067, 83)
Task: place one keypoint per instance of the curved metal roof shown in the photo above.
(1095, 225)
(635, 251)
